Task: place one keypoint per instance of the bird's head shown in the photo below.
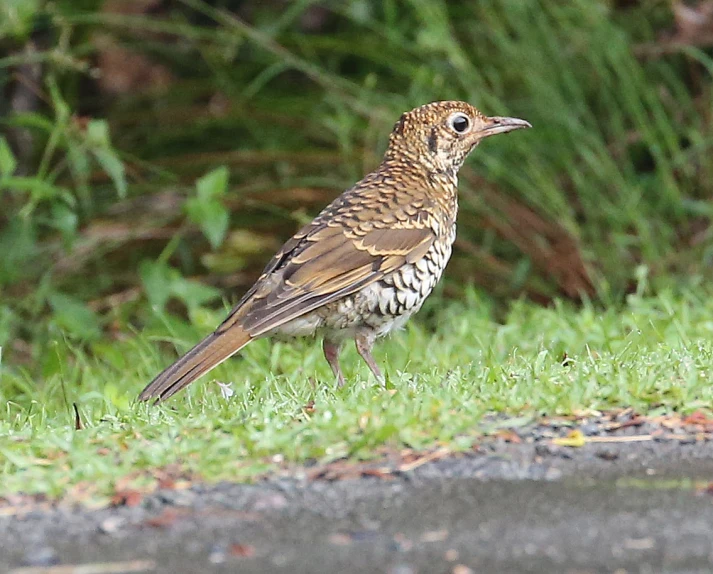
(440, 135)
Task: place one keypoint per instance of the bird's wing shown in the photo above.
(332, 258)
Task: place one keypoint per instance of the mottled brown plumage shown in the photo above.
(368, 261)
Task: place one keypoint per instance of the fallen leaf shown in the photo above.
(508, 435)
(423, 459)
(635, 421)
(706, 489)
(166, 483)
(128, 498)
(384, 473)
(698, 418)
(167, 518)
(573, 439)
(634, 438)
(340, 539)
(242, 550)
(434, 536)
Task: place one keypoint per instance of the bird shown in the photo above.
(367, 261)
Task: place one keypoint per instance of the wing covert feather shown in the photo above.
(327, 260)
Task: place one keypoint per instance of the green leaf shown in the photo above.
(118, 399)
(78, 161)
(66, 220)
(18, 245)
(162, 282)
(8, 321)
(211, 216)
(213, 184)
(98, 134)
(112, 165)
(38, 188)
(31, 120)
(192, 293)
(157, 278)
(17, 18)
(61, 108)
(206, 209)
(8, 163)
(73, 316)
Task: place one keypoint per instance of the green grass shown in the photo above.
(653, 353)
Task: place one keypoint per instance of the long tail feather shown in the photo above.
(209, 353)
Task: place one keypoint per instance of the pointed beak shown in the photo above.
(498, 125)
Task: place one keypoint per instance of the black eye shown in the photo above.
(459, 122)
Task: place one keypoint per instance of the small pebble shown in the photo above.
(111, 525)
(270, 501)
(434, 536)
(451, 555)
(340, 539)
(177, 497)
(552, 450)
(553, 473)
(359, 535)
(606, 454)
(401, 543)
(43, 556)
(217, 554)
(589, 429)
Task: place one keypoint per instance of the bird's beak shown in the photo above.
(498, 125)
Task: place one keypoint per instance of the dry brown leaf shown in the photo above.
(242, 550)
(694, 23)
(128, 498)
(167, 518)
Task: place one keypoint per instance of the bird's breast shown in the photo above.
(404, 291)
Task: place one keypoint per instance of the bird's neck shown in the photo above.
(434, 165)
(445, 192)
(439, 183)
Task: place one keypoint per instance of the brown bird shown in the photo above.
(368, 261)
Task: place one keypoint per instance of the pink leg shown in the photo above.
(331, 353)
(364, 344)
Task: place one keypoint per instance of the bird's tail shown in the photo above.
(209, 353)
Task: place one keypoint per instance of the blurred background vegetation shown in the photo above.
(154, 153)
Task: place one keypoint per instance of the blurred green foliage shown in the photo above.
(155, 153)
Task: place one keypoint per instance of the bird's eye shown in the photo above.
(459, 123)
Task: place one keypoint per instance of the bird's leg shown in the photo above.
(331, 353)
(364, 344)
